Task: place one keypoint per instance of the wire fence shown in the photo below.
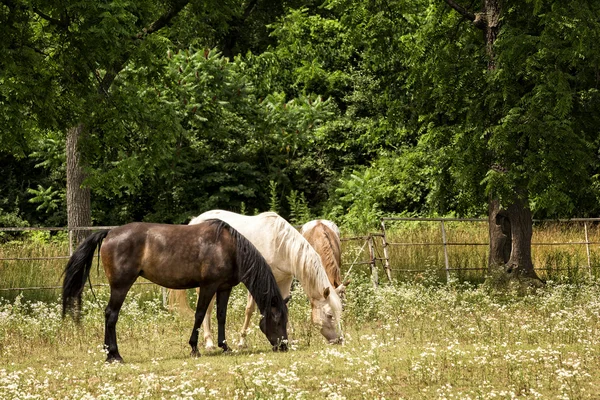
(582, 233)
(401, 246)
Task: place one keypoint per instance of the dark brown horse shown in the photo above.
(211, 255)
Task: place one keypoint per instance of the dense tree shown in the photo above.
(508, 111)
(365, 108)
(64, 65)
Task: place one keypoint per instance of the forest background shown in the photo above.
(350, 110)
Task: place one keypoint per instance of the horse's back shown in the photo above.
(260, 229)
(314, 223)
(175, 256)
(324, 237)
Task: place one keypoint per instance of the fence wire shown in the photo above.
(377, 243)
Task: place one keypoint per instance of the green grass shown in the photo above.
(403, 341)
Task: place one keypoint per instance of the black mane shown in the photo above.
(256, 272)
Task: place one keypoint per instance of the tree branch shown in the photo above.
(53, 21)
(248, 10)
(162, 21)
(461, 10)
(166, 18)
(235, 27)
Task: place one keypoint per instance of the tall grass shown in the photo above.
(37, 260)
(416, 251)
(418, 338)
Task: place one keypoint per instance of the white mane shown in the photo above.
(306, 262)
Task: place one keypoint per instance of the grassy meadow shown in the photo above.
(418, 338)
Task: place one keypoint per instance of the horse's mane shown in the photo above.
(256, 273)
(306, 263)
(331, 263)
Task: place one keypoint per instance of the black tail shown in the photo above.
(77, 272)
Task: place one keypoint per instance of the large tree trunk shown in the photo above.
(500, 237)
(78, 196)
(510, 243)
(520, 264)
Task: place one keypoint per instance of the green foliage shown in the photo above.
(273, 197)
(48, 198)
(398, 91)
(299, 209)
(358, 200)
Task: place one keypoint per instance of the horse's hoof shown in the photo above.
(209, 344)
(114, 359)
(226, 349)
(195, 353)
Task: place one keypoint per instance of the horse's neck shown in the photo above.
(306, 265)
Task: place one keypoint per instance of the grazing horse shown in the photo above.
(324, 236)
(211, 255)
(289, 255)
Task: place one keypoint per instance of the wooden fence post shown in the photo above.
(374, 274)
(386, 256)
(445, 244)
(587, 247)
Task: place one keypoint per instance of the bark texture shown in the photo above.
(78, 196)
(500, 237)
(520, 264)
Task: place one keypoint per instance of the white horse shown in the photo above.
(290, 255)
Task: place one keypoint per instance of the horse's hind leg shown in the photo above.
(111, 315)
(208, 340)
(222, 299)
(250, 307)
(204, 298)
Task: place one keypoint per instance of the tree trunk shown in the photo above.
(78, 196)
(510, 243)
(500, 237)
(511, 229)
(520, 264)
(490, 17)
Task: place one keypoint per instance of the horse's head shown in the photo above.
(327, 314)
(274, 325)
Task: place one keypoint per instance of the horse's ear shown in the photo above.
(346, 283)
(287, 299)
(326, 292)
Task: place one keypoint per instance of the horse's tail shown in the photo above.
(77, 272)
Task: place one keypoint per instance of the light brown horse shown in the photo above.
(324, 236)
(210, 255)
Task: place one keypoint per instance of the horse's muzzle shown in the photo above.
(282, 346)
(339, 340)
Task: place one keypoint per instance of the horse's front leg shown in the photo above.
(204, 298)
(222, 299)
(208, 340)
(250, 307)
